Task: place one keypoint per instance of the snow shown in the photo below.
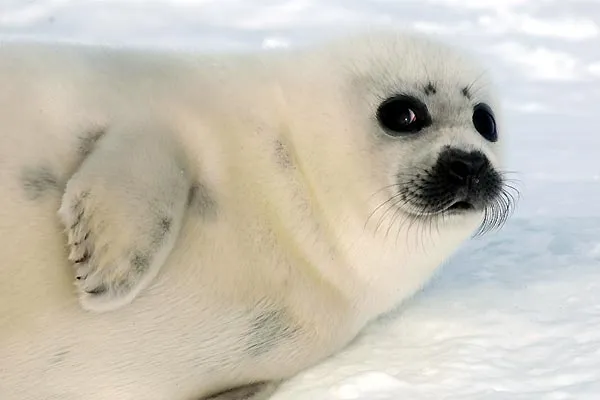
(513, 315)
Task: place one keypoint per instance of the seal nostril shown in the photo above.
(460, 169)
(463, 167)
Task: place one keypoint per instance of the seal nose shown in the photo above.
(464, 166)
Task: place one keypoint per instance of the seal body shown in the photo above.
(226, 219)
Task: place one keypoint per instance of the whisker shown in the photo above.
(397, 199)
(384, 188)
(379, 207)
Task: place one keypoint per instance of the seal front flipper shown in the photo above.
(122, 211)
(255, 391)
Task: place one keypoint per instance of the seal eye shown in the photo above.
(483, 119)
(401, 115)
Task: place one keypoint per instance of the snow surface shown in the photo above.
(514, 315)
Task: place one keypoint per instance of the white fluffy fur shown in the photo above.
(292, 157)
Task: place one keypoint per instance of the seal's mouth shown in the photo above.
(460, 206)
(457, 207)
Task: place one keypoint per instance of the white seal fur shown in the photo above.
(228, 220)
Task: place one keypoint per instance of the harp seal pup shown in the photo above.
(181, 226)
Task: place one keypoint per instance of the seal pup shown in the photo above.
(228, 220)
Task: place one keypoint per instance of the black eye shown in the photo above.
(483, 119)
(402, 115)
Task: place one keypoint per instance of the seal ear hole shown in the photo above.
(403, 115)
(484, 122)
